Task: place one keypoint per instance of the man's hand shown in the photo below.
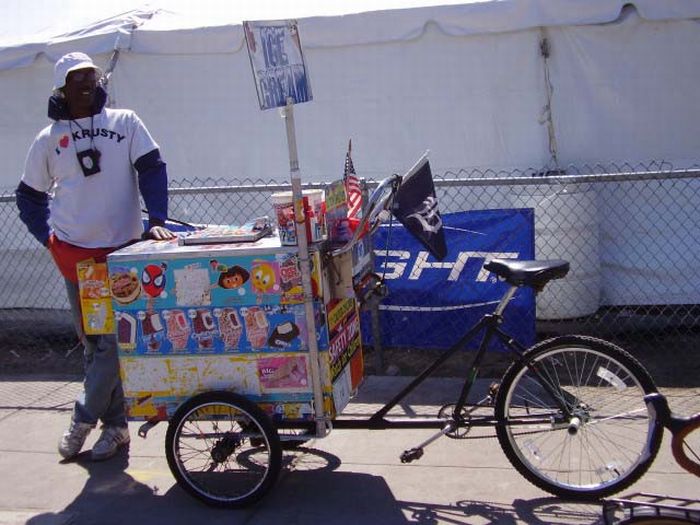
(160, 233)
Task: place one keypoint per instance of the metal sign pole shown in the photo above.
(305, 263)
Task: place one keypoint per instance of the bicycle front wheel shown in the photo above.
(223, 449)
(601, 442)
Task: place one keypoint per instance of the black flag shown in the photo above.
(416, 207)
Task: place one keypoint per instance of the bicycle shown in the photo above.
(654, 509)
(569, 412)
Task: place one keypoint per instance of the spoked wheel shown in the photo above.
(609, 439)
(222, 449)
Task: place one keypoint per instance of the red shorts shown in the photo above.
(67, 255)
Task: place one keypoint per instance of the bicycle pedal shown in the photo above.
(411, 454)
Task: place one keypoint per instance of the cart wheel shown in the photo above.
(223, 449)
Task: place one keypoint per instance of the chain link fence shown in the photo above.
(631, 234)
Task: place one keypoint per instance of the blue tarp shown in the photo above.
(430, 303)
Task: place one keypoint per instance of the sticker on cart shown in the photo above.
(230, 327)
(342, 389)
(126, 331)
(344, 346)
(124, 284)
(283, 373)
(178, 329)
(283, 335)
(339, 311)
(288, 411)
(265, 277)
(230, 277)
(153, 280)
(290, 278)
(192, 286)
(256, 326)
(152, 330)
(204, 328)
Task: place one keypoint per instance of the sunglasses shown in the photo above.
(81, 75)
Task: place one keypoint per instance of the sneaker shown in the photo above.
(73, 439)
(109, 442)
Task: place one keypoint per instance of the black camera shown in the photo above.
(89, 161)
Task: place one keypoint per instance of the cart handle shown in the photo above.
(377, 211)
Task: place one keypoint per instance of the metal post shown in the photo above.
(305, 264)
(374, 305)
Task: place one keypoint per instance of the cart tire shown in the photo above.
(610, 440)
(223, 449)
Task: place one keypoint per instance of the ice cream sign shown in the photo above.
(277, 60)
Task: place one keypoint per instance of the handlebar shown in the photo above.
(377, 211)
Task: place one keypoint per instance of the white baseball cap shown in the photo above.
(71, 62)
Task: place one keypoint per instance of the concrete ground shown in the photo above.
(352, 476)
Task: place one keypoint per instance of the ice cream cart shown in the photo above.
(228, 320)
(230, 317)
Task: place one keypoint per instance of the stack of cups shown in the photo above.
(283, 205)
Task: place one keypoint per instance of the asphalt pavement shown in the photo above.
(349, 477)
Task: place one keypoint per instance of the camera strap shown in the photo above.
(92, 132)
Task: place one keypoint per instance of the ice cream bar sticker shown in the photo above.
(126, 331)
(283, 374)
(230, 327)
(178, 329)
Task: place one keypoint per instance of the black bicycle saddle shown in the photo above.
(528, 273)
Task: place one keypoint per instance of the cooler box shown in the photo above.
(190, 319)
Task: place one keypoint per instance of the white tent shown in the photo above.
(466, 81)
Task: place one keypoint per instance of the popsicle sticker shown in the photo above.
(256, 326)
(151, 330)
(126, 331)
(283, 335)
(204, 328)
(230, 327)
(283, 373)
(178, 329)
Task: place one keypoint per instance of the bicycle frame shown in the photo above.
(490, 323)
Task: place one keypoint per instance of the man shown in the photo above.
(94, 161)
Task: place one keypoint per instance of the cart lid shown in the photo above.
(152, 249)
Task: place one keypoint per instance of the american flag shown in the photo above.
(352, 186)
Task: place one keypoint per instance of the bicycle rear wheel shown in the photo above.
(609, 441)
(223, 450)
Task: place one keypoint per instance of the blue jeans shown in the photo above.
(103, 397)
